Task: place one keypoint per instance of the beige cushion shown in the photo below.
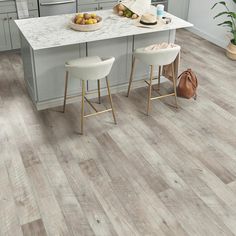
(84, 61)
(155, 47)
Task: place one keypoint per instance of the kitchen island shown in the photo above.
(48, 42)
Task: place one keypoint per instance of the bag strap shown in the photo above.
(194, 84)
(185, 72)
(194, 76)
(181, 74)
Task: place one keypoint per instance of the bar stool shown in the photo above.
(160, 58)
(87, 69)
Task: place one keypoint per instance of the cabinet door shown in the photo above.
(87, 2)
(32, 5)
(179, 8)
(34, 13)
(88, 7)
(15, 37)
(106, 5)
(5, 40)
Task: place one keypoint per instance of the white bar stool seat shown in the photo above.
(83, 61)
(153, 58)
(85, 69)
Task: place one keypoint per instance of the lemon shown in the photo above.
(90, 21)
(78, 21)
(93, 15)
(80, 15)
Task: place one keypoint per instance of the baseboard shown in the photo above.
(10, 51)
(207, 36)
(93, 94)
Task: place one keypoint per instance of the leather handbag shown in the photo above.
(187, 86)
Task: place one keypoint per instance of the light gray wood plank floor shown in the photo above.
(172, 173)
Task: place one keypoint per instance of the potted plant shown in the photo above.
(231, 23)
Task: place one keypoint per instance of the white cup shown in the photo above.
(160, 11)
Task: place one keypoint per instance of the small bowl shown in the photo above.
(85, 28)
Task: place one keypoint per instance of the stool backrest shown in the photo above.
(92, 71)
(157, 57)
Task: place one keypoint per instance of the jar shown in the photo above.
(160, 11)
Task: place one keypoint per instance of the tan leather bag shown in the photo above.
(187, 86)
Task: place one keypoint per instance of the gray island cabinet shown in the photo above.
(47, 43)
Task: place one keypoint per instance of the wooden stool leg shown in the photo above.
(174, 83)
(65, 92)
(159, 78)
(99, 92)
(150, 90)
(131, 76)
(82, 108)
(110, 98)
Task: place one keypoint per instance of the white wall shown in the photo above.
(179, 8)
(201, 15)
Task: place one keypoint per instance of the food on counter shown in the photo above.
(120, 13)
(122, 10)
(86, 19)
(134, 16)
(148, 19)
(128, 13)
(86, 22)
(120, 7)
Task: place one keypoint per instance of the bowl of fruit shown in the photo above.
(86, 22)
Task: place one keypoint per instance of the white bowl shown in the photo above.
(85, 28)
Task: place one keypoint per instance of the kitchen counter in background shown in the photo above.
(48, 42)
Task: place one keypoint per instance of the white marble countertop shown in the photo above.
(53, 31)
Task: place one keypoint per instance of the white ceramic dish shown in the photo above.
(85, 28)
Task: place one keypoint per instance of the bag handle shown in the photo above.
(184, 72)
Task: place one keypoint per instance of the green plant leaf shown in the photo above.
(226, 23)
(222, 3)
(232, 14)
(221, 13)
(228, 13)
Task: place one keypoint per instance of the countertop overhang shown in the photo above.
(53, 31)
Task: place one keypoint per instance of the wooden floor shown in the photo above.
(172, 173)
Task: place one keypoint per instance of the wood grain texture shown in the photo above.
(172, 173)
(9, 223)
(35, 228)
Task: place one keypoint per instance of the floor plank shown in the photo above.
(35, 228)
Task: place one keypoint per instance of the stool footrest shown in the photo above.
(154, 81)
(97, 113)
(163, 96)
(94, 108)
